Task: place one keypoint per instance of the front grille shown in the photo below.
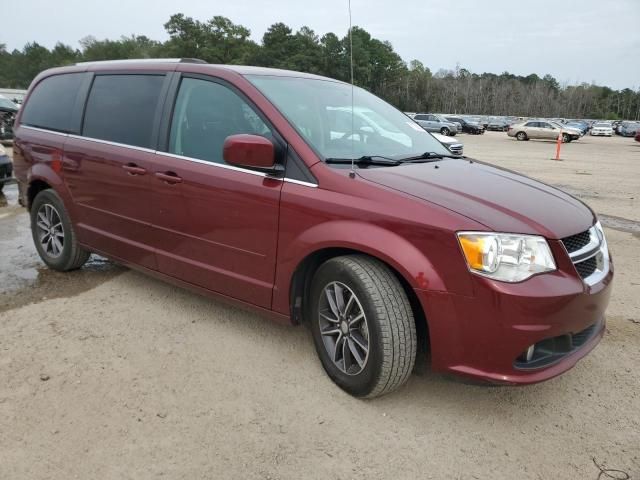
(580, 338)
(588, 253)
(456, 149)
(576, 242)
(587, 267)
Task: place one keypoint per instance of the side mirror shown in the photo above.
(251, 151)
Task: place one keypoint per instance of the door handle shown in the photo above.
(133, 169)
(168, 177)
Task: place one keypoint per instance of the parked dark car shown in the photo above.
(6, 168)
(8, 111)
(237, 182)
(467, 127)
(498, 125)
(637, 137)
(629, 129)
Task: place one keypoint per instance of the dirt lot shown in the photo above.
(106, 373)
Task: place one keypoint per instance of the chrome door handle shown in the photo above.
(168, 177)
(133, 169)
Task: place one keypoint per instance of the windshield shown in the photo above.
(320, 110)
(605, 125)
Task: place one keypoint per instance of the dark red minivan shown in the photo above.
(315, 203)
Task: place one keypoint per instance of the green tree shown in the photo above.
(218, 40)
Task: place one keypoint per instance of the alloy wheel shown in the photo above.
(50, 230)
(344, 328)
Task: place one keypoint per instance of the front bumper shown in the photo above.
(484, 336)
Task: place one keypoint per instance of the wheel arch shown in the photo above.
(300, 286)
(41, 177)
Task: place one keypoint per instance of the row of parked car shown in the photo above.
(445, 126)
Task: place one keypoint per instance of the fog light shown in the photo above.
(529, 355)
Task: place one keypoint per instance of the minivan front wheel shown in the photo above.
(363, 326)
(444, 131)
(53, 235)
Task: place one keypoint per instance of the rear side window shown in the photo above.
(122, 108)
(51, 103)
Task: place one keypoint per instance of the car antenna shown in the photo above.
(352, 173)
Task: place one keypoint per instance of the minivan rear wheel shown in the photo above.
(53, 234)
(363, 326)
(521, 136)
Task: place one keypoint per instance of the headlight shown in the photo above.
(506, 257)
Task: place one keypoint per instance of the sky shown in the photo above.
(574, 40)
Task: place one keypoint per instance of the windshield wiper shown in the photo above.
(427, 157)
(365, 160)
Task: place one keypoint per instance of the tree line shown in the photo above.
(377, 67)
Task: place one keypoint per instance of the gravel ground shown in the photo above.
(108, 374)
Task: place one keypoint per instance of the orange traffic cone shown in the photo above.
(558, 144)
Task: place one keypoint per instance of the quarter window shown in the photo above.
(205, 114)
(51, 104)
(122, 108)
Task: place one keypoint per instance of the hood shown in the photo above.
(502, 200)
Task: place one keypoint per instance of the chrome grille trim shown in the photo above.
(597, 247)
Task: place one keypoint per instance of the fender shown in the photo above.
(49, 173)
(367, 238)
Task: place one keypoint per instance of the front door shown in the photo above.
(215, 225)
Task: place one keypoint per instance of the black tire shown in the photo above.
(389, 319)
(71, 256)
(522, 136)
(566, 138)
(444, 131)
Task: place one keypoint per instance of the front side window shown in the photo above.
(321, 111)
(205, 114)
(122, 108)
(50, 105)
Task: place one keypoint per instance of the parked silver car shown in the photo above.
(543, 129)
(435, 123)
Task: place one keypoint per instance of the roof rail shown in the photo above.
(144, 60)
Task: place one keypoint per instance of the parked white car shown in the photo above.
(454, 146)
(602, 129)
